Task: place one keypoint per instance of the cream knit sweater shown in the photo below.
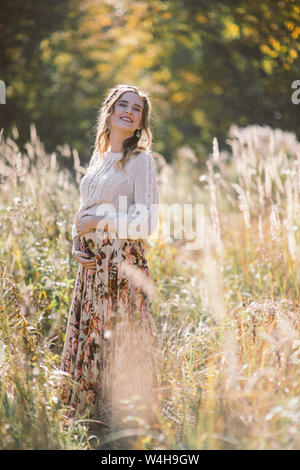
(103, 184)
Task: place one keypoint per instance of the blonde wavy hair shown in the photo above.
(131, 145)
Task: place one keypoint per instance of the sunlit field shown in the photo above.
(227, 313)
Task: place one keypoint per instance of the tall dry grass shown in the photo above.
(235, 347)
(227, 314)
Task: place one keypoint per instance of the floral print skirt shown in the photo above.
(109, 360)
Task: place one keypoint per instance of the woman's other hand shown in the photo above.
(85, 259)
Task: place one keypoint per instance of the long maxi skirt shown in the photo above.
(110, 356)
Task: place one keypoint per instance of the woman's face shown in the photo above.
(130, 106)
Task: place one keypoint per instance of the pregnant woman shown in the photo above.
(110, 359)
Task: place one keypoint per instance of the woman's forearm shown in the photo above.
(76, 243)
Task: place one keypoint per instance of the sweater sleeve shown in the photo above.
(93, 160)
(140, 222)
(74, 231)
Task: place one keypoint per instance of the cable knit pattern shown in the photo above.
(103, 184)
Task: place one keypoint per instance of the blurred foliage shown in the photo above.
(206, 65)
(227, 315)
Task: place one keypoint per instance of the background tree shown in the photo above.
(206, 64)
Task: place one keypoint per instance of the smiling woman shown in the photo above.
(111, 334)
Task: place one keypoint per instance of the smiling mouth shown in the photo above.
(126, 119)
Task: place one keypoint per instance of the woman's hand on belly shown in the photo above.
(87, 223)
(101, 223)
